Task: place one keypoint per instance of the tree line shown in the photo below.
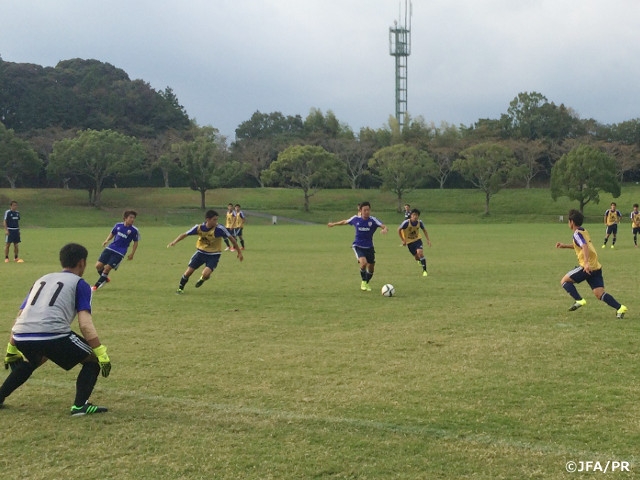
(85, 124)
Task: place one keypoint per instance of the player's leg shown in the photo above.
(6, 251)
(185, 278)
(16, 251)
(103, 278)
(596, 282)
(568, 283)
(21, 371)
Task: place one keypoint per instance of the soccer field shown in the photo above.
(280, 367)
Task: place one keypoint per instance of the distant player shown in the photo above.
(635, 223)
(43, 332)
(12, 232)
(238, 225)
(365, 226)
(409, 232)
(589, 269)
(407, 211)
(209, 248)
(122, 234)
(230, 218)
(612, 218)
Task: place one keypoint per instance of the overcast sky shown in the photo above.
(226, 59)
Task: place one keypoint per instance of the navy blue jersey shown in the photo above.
(12, 217)
(364, 230)
(122, 236)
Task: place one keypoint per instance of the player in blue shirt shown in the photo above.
(12, 231)
(209, 248)
(365, 226)
(122, 234)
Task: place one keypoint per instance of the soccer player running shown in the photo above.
(635, 223)
(43, 332)
(122, 234)
(409, 232)
(209, 248)
(612, 218)
(589, 269)
(11, 224)
(365, 226)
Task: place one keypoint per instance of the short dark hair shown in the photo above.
(365, 204)
(13, 202)
(129, 212)
(237, 204)
(614, 203)
(635, 205)
(415, 210)
(576, 217)
(71, 254)
(211, 214)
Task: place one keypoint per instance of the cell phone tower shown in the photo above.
(400, 47)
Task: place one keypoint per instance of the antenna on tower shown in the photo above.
(400, 47)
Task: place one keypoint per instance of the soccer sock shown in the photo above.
(183, 281)
(614, 240)
(19, 374)
(423, 262)
(572, 290)
(363, 274)
(609, 300)
(226, 241)
(242, 242)
(635, 239)
(100, 271)
(85, 382)
(103, 278)
(369, 276)
(605, 241)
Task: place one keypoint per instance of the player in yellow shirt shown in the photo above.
(612, 218)
(238, 225)
(228, 224)
(209, 248)
(589, 269)
(635, 223)
(409, 232)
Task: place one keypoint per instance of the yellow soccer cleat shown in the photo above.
(621, 311)
(579, 303)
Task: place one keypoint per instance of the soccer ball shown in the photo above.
(388, 290)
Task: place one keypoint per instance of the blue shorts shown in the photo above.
(111, 258)
(237, 232)
(595, 279)
(368, 253)
(415, 246)
(13, 237)
(199, 258)
(612, 229)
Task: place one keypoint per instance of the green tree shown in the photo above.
(96, 157)
(16, 157)
(200, 158)
(582, 174)
(488, 167)
(307, 167)
(401, 168)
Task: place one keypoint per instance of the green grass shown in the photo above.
(279, 367)
(179, 206)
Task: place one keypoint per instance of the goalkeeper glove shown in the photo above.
(103, 360)
(13, 357)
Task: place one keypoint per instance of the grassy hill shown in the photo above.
(180, 206)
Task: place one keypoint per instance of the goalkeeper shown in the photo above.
(43, 332)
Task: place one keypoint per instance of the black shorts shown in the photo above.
(594, 279)
(13, 237)
(415, 246)
(612, 229)
(368, 253)
(111, 258)
(66, 352)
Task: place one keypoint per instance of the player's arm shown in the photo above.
(85, 322)
(133, 250)
(383, 228)
(401, 234)
(109, 238)
(179, 238)
(426, 236)
(341, 222)
(564, 245)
